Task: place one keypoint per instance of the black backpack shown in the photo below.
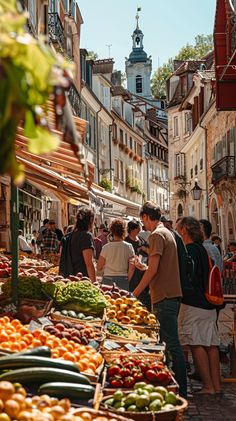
(65, 265)
(186, 266)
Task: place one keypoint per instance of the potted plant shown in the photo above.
(131, 153)
(181, 193)
(106, 184)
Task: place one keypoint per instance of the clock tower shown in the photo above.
(138, 66)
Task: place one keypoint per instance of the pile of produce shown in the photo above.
(112, 291)
(129, 333)
(129, 310)
(16, 405)
(28, 287)
(5, 269)
(16, 337)
(76, 315)
(128, 371)
(34, 263)
(81, 296)
(79, 333)
(144, 398)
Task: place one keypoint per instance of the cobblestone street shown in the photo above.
(212, 408)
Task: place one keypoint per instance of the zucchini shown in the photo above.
(70, 390)
(43, 375)
(40, 351)
(23, 361)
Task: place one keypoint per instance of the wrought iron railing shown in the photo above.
(56, 30)
(225, 167)
(75, 100)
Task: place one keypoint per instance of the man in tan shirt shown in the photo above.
(163, 279)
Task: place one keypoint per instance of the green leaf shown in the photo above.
(43, 141)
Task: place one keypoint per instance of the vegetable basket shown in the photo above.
(112, 356)
(175, 414)
(152, 335)
(98, 322)
(105, 413)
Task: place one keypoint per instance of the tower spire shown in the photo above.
(137, 16)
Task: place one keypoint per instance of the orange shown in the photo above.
(36, 333)
(28, 338)
(49, 342)
(68, 356)
(3, 336)
(36, 343)
(14, 336)
(16, 322)
(92, 366)
(64, 341)
(23, 331)
(61, 351)
(69, 347)
(43, 337)
(6, 319)
(5, 345)
(55, 354)
(15, 346)
(23, 345)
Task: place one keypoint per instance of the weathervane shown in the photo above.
(137, 15)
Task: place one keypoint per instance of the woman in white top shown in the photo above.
(115, 257)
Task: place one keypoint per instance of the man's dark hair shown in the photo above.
(132, 225)
(45, 221)
(84, 218)
(206, 226)
(152, 210)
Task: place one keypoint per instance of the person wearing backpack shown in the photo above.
(211, 248)
(197, 317)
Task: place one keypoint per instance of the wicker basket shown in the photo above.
(121, 339)
(112, 356)
(105, 413)
(175, 414)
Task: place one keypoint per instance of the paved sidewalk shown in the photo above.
(212, 408)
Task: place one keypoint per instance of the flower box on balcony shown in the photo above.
(135, 157)
(115, 141)
(131, 153)
(127, 150)
(121, 146)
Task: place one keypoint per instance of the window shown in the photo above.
(126, 139)
(139, 149)
(180, 165)
(131, 142)
(139, 84)
(187, 123)
(116, 172)
(231, 141)
(114, 131)
(121, 171)
(176, 127)
(121, 136)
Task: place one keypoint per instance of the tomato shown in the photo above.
(129, 382)
(116, 382)
(138, 377)
(113, 370)
(151, 375)
(143, 367)
(129, 365)
(157, 366)
(124, 372)
(163, 378)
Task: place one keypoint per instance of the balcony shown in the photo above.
(223, 169)
(75, 101)
(56, 30)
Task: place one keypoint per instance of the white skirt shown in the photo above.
(197, 326)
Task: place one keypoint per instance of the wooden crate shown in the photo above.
(96, 414)
(153, 335)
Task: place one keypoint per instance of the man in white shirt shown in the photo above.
(23, 245)
(211, 248)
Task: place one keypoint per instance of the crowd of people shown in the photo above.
(145, 256)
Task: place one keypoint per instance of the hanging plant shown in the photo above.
(106, 184)
(29, 71)
(181, 194)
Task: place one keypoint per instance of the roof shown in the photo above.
(120, 90)
(138, 55)
(188, 66)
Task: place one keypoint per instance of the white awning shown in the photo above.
(108, 199)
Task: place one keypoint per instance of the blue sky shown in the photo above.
(167, 26)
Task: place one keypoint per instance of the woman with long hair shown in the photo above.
(197, 317)
(115, 257)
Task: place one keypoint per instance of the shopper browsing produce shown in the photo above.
(163, 278)
(115, 257)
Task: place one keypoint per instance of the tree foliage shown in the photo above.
(203, 45)
(92, 55)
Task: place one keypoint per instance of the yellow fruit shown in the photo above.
(131, 313)
(119, 315)
(6, 390)
(119, 301)
(12, 408)
(111, 314)
(125, 320)
(123, 307)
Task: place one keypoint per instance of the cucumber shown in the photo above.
(43, 375)
(71, 390)
(40, 351)
(23, 361)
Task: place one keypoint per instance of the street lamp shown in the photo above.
(196, 192)
(49, 204)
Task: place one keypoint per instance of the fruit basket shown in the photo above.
(105, 415)
(96, 321)
(112, 356)
(169, 414)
